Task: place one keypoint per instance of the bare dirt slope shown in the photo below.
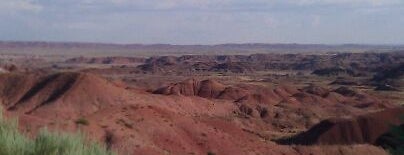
(141, 122)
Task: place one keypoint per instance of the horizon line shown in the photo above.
(196, 44)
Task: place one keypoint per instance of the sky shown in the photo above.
(204, 21)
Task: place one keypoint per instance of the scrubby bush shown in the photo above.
(393, 140)
(211, 153)
(12, 142)
(82, 121)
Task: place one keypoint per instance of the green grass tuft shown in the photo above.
(12, 142)
(82, 121)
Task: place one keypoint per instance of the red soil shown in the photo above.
(192, 122)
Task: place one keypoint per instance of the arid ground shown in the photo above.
(231, 99)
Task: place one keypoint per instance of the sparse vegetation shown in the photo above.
(393, 141)
(82, 121)
(126, 123)
(211, 153)
(12, 142)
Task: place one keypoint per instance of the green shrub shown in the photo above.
(11, 141)
(46, 143)
(211, 153)
(82, 121)
(393, 141)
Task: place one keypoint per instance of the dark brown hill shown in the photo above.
(362, 129)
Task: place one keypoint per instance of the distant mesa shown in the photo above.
(234, 67)
(389, 78)
(386, 87)
(334, 71)
(345, 81)
(106, 60)
(340, 64)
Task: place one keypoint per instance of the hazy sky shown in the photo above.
(204, 21)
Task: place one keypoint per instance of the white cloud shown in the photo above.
(160, 4)
(236, 4)
(348, 2)
(202, 21)
(19, 5)
(214, 5)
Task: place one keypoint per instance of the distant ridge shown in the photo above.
(279, 45)
(39, 47)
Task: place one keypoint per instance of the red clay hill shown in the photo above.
(358, 130)
(144, 123)
(60, 95)
(141, 99)
(256, 95)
